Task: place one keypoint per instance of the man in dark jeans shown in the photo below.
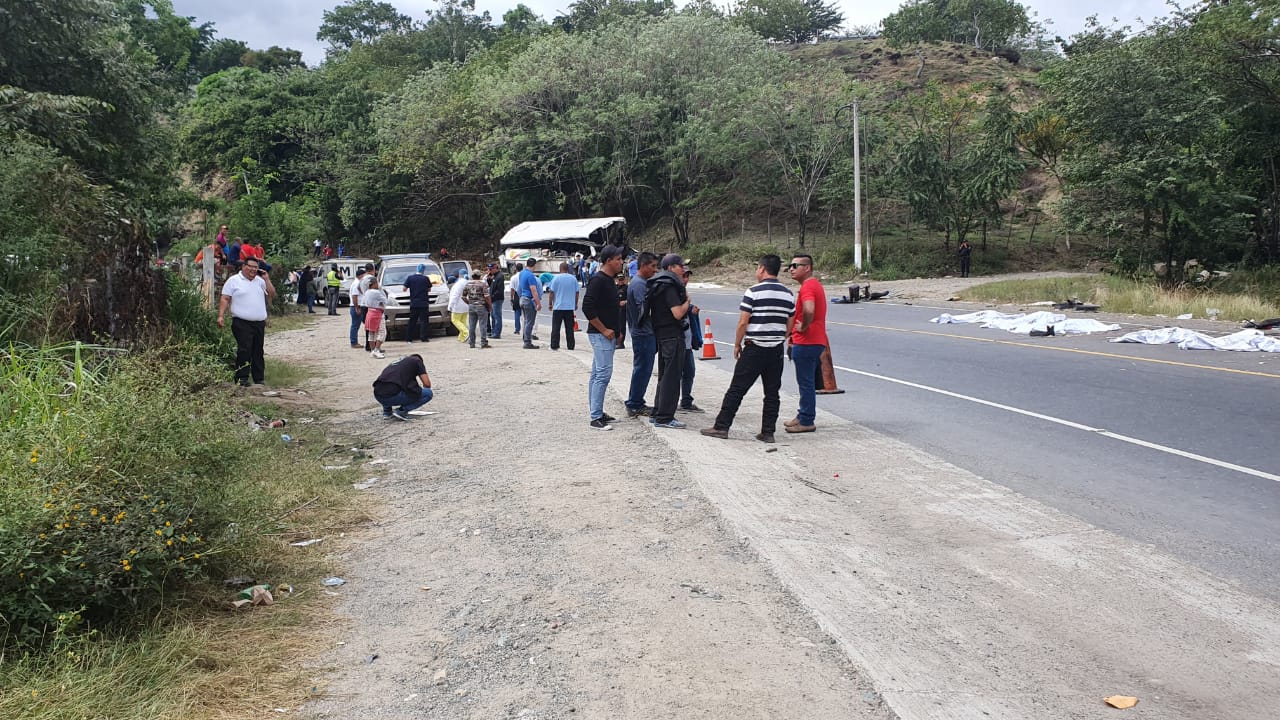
(246, 295)
(497, 296)
(419, 287)
(667, 303)
(398, 385)
(764, 323)
(643, 344)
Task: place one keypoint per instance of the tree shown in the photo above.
(221, 54)
(360, 21)
(957, 159)
(792, 21)
(272, 59)
(520, 20)
(989, 24)
(588, 15)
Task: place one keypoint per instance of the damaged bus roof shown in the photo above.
(571, 234)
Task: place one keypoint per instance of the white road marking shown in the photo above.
(1074, 425)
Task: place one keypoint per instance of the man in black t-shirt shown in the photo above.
(600, 306)
(668, 304)
(398, 385)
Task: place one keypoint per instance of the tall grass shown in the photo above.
(1124, 295)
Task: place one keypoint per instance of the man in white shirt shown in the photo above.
(246, 294)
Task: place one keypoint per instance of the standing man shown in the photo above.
(564, 304)
(643, 344)
(398, 385)
(356, 312)
(808, 339)
(315, 245)
(964, 251)
(497, 294)
(246, 295)
(600, 306)
(479, 307)
(332, 282)
(667, 303)
(515, 296)
(530, 302)
(419, 287)
(765, 318)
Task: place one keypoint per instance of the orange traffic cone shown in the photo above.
(708, 344)
(826, 375)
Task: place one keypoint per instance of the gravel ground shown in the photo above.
(525, 565)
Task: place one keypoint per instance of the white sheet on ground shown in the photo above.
(1024, 323)
(1248, 340)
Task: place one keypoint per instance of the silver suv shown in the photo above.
(392, 272)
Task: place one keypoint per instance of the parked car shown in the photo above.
(391, 275)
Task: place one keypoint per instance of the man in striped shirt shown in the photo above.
(765, 321)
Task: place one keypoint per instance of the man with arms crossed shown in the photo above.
(764, 324)
(246, 294)
(808, 338)
(600, 306)
(667, 304)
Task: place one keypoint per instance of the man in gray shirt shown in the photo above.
(644, 346)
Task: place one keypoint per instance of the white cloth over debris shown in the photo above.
(1248, 340)
(1024, 323)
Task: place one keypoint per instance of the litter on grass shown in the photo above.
(1247, 340)
(306, 543)
(366, 484)
(1024, 323)
(333, 581)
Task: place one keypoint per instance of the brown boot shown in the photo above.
(792, 422)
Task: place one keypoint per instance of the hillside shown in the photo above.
(947, 63)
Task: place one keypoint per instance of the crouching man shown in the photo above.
(398, 385)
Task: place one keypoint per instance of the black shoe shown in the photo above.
(691, 408)
(712, 432)
(600, 425)
(765, 437)
(639, 412)
(531, 346)
(608, 418)
(243, 382)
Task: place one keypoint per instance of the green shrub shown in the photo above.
(121, 485)
(702, 254)
(195, 323)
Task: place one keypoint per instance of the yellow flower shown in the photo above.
(159, 532)
(196, 556)
(94, 512)
(169, 543)
(133, 552)
(167, 523)
(181, 558)
(76, 506)
(42, 536)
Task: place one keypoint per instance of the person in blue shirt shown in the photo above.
(530, 303)
(564, 305)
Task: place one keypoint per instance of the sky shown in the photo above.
(293, 23)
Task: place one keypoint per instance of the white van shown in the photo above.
(547, 243)
(348, 267)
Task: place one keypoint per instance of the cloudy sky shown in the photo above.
(293, 23)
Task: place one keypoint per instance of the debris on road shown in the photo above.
(1123, 702)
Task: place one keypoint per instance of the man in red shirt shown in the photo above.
(808, 340)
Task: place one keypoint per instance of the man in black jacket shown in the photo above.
(668, 304)
(600, 306)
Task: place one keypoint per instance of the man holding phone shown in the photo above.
(246, 294)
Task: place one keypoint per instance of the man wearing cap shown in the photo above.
(808, 339)
(246, 294)
(764, 322)
(667, 303)
(476, 295)
(497, 295)
(600, 306)
(419, 287)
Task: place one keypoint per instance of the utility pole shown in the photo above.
(857, 187)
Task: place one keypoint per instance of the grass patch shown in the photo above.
(283, 374)
(131, 486)
(294, 317)
(1122, 295)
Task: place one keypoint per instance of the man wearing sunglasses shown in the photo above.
(808, 340)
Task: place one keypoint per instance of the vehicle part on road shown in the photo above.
(1048, 332)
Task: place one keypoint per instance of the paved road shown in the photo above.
(1174, 448)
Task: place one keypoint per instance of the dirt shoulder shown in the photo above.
(524, 565)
